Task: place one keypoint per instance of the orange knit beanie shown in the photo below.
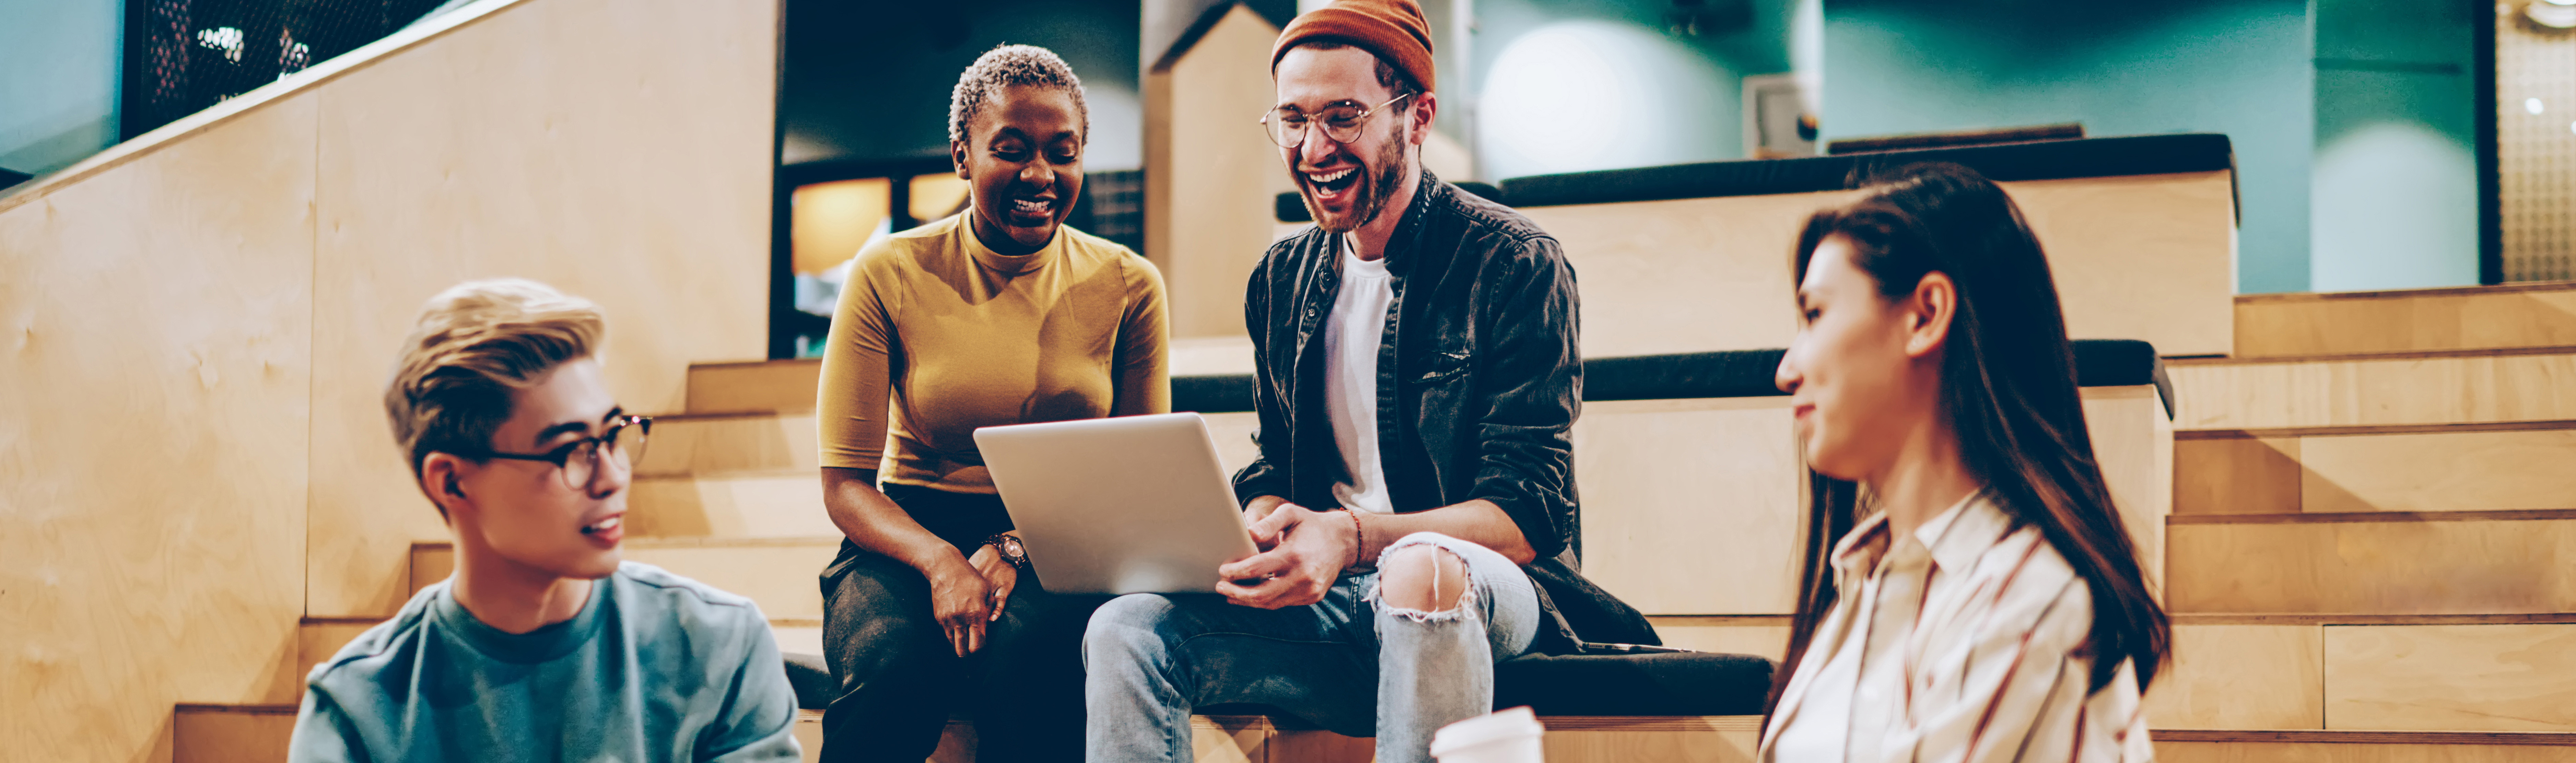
(1392, 29)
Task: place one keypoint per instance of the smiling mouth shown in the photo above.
(1039, 209)
(1331, 185)
(603, 526)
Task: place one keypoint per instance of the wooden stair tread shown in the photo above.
(2387, 322)
(2368, 674)
(746, 504)
(2474, 566)
(2349, 517)
(2302, 618)
(2458, 469)
(2536, 738)
(2429, 291)
(732, 442)
(2550, 425)
(278, 708)
(2485, 386)
(2474, 352)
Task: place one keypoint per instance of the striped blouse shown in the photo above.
(1965, 636)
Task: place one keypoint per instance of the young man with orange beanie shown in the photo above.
(1417, 377)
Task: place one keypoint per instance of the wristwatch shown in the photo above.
(1010, 549)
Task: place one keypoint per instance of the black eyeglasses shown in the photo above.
(1341, 121)
(578, 461)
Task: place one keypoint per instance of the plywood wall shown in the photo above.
(195, 329)
(635, 172)
(155, 355)
(1210, 175)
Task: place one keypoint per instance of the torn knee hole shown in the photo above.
(1423, 578)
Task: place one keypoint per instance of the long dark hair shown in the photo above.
(2008, 388)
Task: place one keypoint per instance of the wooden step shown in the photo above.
(2240, 676)
(231, 733)
(738, 505)
(1763, 635)
(2481, 386)
(2414, 320)
(2326, 470)
(2369, 673)
(765, 386)
(2212, 746)
(2388, 563)
(317, 639)
(689, 443)
(778, 573)
(2452, 677)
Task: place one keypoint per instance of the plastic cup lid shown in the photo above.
(1500, 724)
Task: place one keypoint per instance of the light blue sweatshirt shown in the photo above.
(656, 667)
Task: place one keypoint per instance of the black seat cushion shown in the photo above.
(1658, 683)
(811, 678)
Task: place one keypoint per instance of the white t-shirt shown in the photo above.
(1350, 375)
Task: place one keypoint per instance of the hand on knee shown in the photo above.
(1422, 578)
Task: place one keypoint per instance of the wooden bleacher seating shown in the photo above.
(2369, 523)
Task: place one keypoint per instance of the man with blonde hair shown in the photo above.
(543, 645)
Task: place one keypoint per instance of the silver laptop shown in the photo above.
(1135, 504)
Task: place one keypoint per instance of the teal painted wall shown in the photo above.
(59, 64)
(1572, 85)
(2395, 187)
(2239, 67)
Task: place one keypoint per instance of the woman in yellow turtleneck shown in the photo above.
(1000, 314)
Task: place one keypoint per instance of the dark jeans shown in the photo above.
(899, 678)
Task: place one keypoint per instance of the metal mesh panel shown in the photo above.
(185, 55)
(1113, 207)
(2536, 147)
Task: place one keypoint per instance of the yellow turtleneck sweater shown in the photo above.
(961, 337)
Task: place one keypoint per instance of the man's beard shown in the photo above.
(1375, 189)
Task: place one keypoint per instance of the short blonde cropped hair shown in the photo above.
(471, 347)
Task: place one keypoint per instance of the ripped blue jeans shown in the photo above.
(1350, 663)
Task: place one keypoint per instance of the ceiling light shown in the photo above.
(2552, 13)
(2533, 105)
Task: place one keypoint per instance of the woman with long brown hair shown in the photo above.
(1983, 602)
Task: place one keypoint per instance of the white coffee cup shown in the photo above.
(1505, 736)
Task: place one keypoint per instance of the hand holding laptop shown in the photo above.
(1133, 504)
(1302, 553)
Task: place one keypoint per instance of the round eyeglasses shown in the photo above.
(1341, 121)
(578, 461)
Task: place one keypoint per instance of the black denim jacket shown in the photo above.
(1479, 380)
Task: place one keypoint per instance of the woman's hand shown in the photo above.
(999, 575)
(962, 600)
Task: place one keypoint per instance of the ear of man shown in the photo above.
(1419, 112)
(441, 480)
(1929, 312)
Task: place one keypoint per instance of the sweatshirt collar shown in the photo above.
(540, 645)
